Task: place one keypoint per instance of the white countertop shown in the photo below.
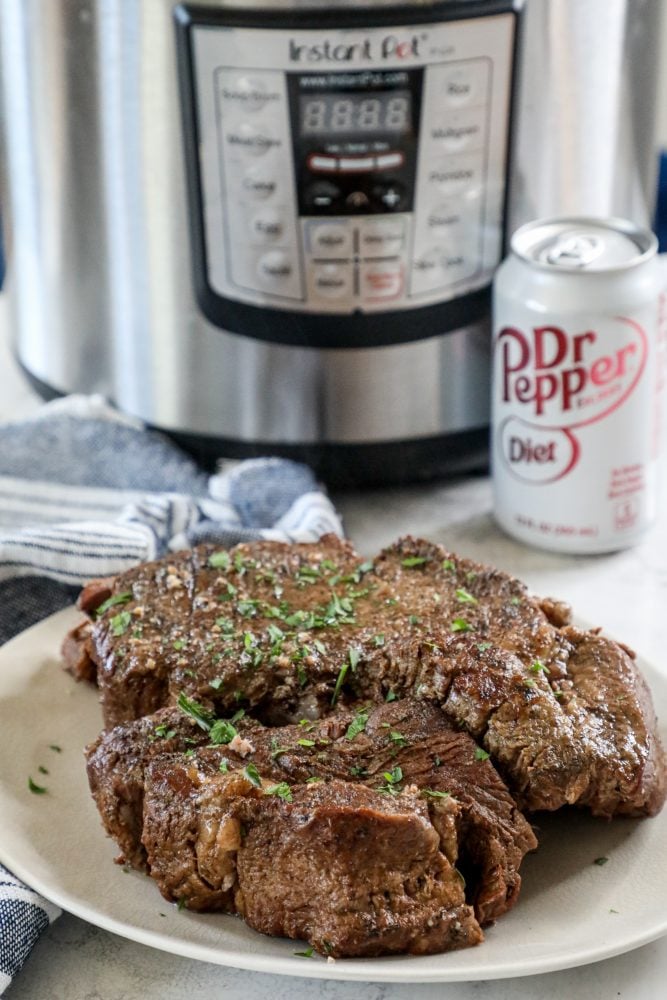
(625, 593)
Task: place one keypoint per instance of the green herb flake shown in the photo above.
(398, 739)
(528, 682)
(281, 790)
(308, 953)
(538, 666)
(222, 733)
(390, 696)
(414, 620)
(306, 743)
(357, 726)
(42, 769)
(601, 861)
(378, 640)
(36, 789)
(201, 715)
(350, 664)
(229, 592)
(483, 646)
(314, 779)
(394, 776)
(225, 624)
(515, 601)
(252, 774)
(120, 623)
(219, 560)
(275, 634)
(448, 564)
(358, 772)
(223, 767)
(481, 754)
(464, 597)
(179, 644)
(433, 793)
(182, 903)
(437, 761)
(216, 683)
(460, 625)
(320, 647)
(410, 562)
(55, 748)
(111, 602)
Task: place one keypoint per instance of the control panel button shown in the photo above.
(358, 200)
(250, 140)
(466, 84)
(389, 196)
(457, 175)
(387, 161)
(267, 226)
(382, 238)
(440, 267)
(427, 271)
(460, 131)
(322, 164)
(444, 219)
(322, 195)
(355, 164)
(383, 280)
(332, 281)
(248, 92)
(258, 183)
(274, 268)
(330, 239)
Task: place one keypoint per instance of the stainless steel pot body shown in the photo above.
(98, 228)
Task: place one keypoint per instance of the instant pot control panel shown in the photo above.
(351, 170)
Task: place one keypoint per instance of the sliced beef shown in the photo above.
(412, 742)
(350, 870)
(294, 631)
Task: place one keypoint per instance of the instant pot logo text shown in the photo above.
(363, 50)
(549, 382)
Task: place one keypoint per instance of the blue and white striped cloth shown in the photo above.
(86, 492)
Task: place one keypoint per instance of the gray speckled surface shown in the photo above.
(76, 961)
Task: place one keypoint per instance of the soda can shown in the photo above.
(579, 342)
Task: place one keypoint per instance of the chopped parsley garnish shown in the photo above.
(358, 772)
(481, 754)
(222, 732)
(433, 793)
(42, 769)
(357, 725)
(314, 779)
(120, 623)
(281, 790)
(113, 601)
(528, 682)
(378, 640)
(483, 646)
(320, 647)
(460, 625)
(182, 903)
(163, 733)
(216, 683)
(411, 561)
(306, 743)
(230, 592)
(308, 953)
(391, 696)
(252, 774)
(179, 644)
(189, 753)
(601, 861)
(350, 664)
(515, 600)
(36, 789)
(201, 715)
(392, 779)
(55, 748)
(537, 666)
(464, 597)
(414, 620)
(226, 624)
(398, 739)
(448, 565)
(275, 634)
(223, 766)
(219, 560)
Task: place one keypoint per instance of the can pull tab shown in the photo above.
(577, 250)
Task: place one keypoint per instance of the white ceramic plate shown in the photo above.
(571, 912)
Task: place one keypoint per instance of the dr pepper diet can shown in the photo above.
(579, 345)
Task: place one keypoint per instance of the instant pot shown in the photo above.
(272, 227)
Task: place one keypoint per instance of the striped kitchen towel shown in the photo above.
(86, 492)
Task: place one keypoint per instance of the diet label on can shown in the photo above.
(579, 344)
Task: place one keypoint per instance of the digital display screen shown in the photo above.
(356, 113)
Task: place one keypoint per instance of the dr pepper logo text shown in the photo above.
(550, 380)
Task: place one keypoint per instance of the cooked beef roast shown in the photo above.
(338, 807)
(410, 741)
